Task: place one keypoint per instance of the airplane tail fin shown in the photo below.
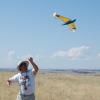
(74, 20)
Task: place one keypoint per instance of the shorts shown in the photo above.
(25, 97)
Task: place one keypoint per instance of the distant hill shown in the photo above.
(7, 69)
(73, 71)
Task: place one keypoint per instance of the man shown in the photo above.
(26, 80)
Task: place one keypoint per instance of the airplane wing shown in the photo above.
(72, 26)
(62, 18)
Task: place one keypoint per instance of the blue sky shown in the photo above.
(27, 28)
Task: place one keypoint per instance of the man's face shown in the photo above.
(23, 67)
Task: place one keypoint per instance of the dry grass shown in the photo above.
(56, 86)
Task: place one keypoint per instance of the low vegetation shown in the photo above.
(56, 86)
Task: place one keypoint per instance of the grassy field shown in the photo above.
(56, 86)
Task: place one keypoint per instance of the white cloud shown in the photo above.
(25, 57)
(11, 58)
(8, 59)
(98, 54)
(11, 54)
(38, 57)
(78, 52)
(60, 54)
(72, 53)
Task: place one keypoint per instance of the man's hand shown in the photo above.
(8, 82)
(30, 59)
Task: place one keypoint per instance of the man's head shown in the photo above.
(23, 66)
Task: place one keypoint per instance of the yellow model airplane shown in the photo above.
(67, 21)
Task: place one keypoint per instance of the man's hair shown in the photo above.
(23, 64)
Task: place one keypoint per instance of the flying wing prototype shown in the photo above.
(66, 21)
